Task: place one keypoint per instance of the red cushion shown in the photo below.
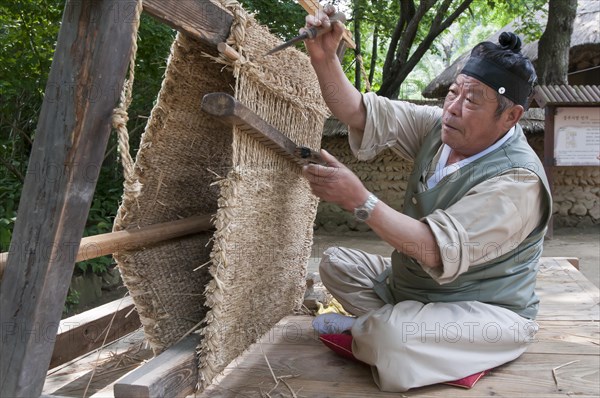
(469, 381)
(341, 344)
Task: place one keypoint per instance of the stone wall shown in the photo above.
(576, 189)
(576, 196)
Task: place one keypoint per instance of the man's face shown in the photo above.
(469, 124)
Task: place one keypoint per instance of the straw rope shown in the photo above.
(361, 64)
(236, 36)
(120, 117)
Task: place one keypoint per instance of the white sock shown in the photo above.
(332, 323)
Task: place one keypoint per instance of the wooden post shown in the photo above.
(549, 161)
(88, 71)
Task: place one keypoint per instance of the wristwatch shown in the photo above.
(363, 213)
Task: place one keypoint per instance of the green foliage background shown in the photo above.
(28, 33)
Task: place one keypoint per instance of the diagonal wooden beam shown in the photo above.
(201, 19)
(85, 80)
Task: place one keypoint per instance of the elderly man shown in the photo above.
(458, 296)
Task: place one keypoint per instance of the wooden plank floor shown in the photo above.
(569, 335)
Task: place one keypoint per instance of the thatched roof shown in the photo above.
(584, 52)
(532, 123)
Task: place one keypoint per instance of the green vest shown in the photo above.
(507, 281)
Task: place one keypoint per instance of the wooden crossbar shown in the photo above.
(113, 242)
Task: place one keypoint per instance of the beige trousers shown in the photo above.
(411, 344)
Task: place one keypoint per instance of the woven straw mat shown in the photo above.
(189, 164)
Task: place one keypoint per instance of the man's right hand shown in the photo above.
(324, 47)
(342, 98)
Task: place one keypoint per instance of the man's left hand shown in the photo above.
(335, 183)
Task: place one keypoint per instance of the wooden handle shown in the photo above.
(233, 112)
(312, 6)
(104, 244)
(317, 31)
(228, 51)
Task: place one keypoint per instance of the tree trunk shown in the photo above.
(554, 45)
(357, 41)
(373, 55)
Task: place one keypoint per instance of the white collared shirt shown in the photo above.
(442, 170)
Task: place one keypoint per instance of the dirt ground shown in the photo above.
(583, 243)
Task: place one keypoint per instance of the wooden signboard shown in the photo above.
(577, 136)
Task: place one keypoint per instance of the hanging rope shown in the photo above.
(359, 59)
(120, 116)
(237, 35)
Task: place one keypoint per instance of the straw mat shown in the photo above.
(232, 284)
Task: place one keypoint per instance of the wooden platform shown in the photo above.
(568, 342)
(568, 319)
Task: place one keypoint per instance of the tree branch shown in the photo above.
(398, 77)
(12, 169)
(358, 42)
(407, 9)
(403, 47)
(30, 37)
(408, 38)
(452, 17)
(374, 53)
(440, 13)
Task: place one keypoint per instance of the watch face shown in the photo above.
(362, 214)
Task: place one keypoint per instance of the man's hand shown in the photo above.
(335, 183)
(324, 47)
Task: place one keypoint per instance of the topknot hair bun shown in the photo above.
(510, 41)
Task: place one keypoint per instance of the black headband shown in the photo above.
(500, 79)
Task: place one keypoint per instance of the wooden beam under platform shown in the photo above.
(174, 373)
(91, 329)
